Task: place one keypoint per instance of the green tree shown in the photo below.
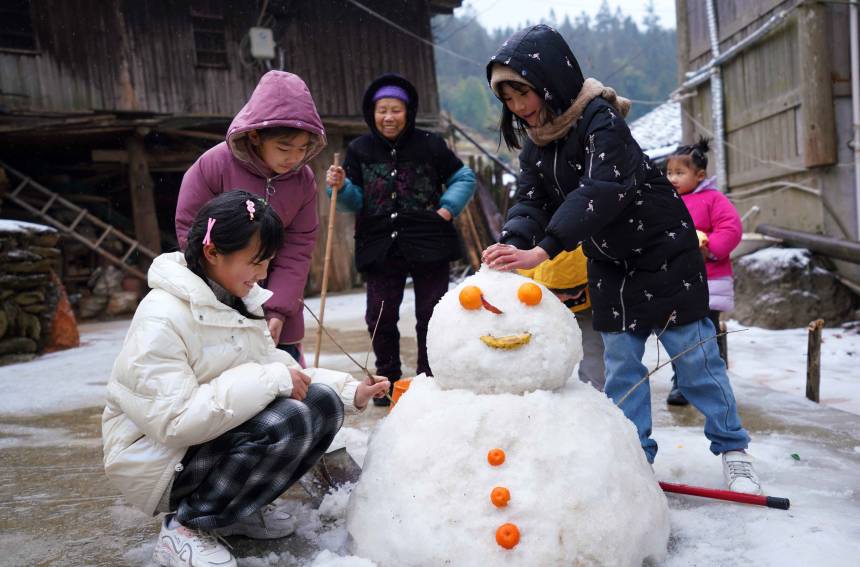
(639, 62)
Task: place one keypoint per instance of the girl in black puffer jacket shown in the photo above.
(584, 180)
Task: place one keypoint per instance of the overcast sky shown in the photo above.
(502, 13)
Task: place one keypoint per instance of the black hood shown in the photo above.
(542, 57)
(368, 105)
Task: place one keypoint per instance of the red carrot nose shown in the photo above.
(490, 307)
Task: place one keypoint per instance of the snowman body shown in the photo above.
(581, 490)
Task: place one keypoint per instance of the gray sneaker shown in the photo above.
(266, 523)
(184, 547)
(739, 473)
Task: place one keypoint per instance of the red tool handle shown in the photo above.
(769, 501)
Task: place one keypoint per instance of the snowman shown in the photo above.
(500, 459)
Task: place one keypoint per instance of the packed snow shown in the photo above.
(581, 488)
(11, 225)
(461, 359)
(774, 261)
(427, 475)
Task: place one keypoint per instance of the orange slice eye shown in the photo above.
(529, 293)
(470, 297)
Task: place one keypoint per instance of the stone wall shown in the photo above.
(35, 315)
(786, 288)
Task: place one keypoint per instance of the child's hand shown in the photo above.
(275, 328)
(335, 177)
(445, 214)
(375, 387)
(301, 381)
(706, 253)
(562, 296)
(505, 257)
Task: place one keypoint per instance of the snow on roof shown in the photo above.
(659, 132)
(9, 225)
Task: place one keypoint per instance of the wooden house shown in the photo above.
(785, 68)
(105, 103)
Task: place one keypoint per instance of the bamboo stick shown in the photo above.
(326, 265)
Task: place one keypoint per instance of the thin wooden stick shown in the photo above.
(373, 336)
(326, 263)
(343, 350)
(670, 361)
(666, 326)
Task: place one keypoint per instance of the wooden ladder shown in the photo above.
(40, 201)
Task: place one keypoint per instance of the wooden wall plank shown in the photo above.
(138, 55)
(818, 121)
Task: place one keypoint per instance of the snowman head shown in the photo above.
(499, 332)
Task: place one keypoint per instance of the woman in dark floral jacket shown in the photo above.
(406, 186)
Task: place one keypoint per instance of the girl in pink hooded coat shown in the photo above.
(717, 223)
(267, 150)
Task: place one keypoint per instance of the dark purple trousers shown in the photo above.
(386, 284)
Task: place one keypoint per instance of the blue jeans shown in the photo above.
(701, 378)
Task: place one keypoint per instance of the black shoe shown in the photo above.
(383, 401)
(675, 397)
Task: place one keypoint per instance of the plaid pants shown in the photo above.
(238, 473)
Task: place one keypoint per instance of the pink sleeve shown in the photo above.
(288, 272)
(726, 230)
(194, 192)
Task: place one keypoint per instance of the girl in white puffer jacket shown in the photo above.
(205, 418)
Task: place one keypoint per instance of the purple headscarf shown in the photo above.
(391, 91)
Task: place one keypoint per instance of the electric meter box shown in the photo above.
(262, 43)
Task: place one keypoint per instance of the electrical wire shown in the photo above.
(467, 24)
(413, 34)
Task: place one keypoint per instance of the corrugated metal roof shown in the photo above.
(659, 132)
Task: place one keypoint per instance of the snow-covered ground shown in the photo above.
(807, 452)
(777, 360)
(65, 380)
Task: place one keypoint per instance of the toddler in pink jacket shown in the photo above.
(716, 221)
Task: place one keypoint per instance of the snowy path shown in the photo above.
(50, 458)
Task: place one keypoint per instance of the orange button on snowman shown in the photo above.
(507, 535)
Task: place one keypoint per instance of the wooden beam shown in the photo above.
(193, 134)
(682, 39)
(142, 197)
(817, 119)
(155, 160)
(110, 156)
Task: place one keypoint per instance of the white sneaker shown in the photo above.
(739, 473)
(266, 523)
(184, 547)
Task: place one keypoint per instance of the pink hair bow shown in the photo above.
(251, 209)
(208, 238)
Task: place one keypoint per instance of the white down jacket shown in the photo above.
(190, 369)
